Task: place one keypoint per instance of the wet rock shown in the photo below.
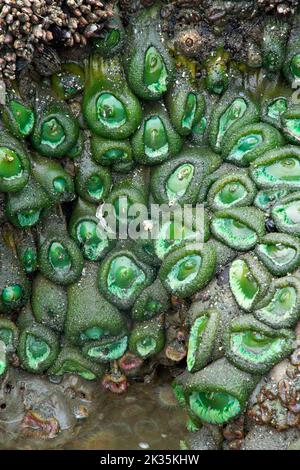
(29, 399)
(266, 438)
(205, 439)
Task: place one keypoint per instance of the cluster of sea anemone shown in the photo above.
(134, 121)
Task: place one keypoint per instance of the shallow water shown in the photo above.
(146, 417)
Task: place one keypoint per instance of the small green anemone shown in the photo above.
(255, 347)
(249, 281)
(217, 393)
(281, 306)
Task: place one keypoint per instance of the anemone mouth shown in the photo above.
(29, 217)
(37, 351)
(279, 254)
(73, 367)
(184, 271)
(10, 164)
(265, 199)
(255, 346)
(109, 351)
(155, 71)
(155, 138)
(152, 306)
(94, 187)
(93, 333)
(244, 286)
(115, 155)
(243, 146)
(59, 258)
(12, 294)
(231, 194)
(196, 336)
(235, 111)
(87, 235)
(110, 111)
(281, 306)
(52, 133)
(214, 406)
(285, 170)
(179, 181)
(234, 233)
(124, 277)
(146, 346)
(189, 111)
(59, 185)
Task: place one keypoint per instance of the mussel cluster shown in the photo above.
(28, 27)
(134, 122)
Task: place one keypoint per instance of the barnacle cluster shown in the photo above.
(135, 121)
(28, 26)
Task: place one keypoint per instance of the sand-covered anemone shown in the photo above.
(14, 163)
(249, 281)
(291, 67)
(49, 303)
(188, 269)
(149, 65)
(83, 322)
(285, 213)
(266, 198)
(105, 350)
(280, 308)
(109, 107)
(279, 252)
(38, 347)
(233, 190)
(249, 142)
(234, 110)
(147, 338)
(84, 229)
(277, 169)
(116, 154)
(217, 393)
(238, 227)
(255, 347)
(156, 140)
(122, 277)
(202, 339)
(185, 102)
(179, 180)
(71, 361)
